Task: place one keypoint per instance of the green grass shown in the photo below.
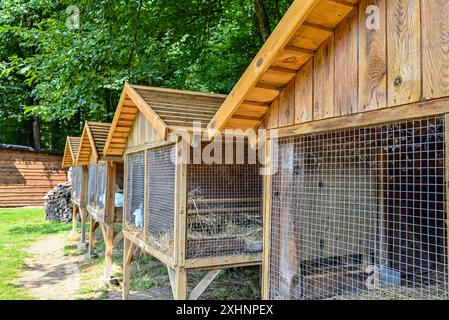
(18, 229)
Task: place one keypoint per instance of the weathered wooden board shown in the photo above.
(324, 81)
(287, 105)
(273, 116)
(304, 94)
(372, 57)
(346, 78)
(435, 26)
(404, 51)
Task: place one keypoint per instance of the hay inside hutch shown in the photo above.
(104, 190)
(189, 216)
(79, 194)
(357, 97)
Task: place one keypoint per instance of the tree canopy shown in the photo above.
(52, 77)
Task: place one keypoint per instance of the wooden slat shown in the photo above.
(273, 115)
(346, 69)
(304, 94)
(329, 13)
(324, 81)
(310, 38)
(435, 26)
(372, 59)
(404, 51)
(287, 105)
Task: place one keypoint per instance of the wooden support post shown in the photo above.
(92, 228)
(82, 245)
(128, 253)
(446, 137)
(83, 201)
(266, 221)
(172, 276)
(109, 242)
(74, 221)
(180, 284)
(203, 284)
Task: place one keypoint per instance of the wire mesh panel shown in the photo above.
(360, 214)
(91, 185)
(135, 183)
(76, 183)
(161, 199)
(225, 210)
(101, 190)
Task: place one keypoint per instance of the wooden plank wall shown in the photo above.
(406, 60)
(142, 134)
(25, 177)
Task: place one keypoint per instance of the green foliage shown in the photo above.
(18, 228)
(67, 76)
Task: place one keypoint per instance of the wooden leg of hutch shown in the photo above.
(92, 228)
(74, 221)
(180, 284)
(109, 241)
(128, 253)
(82, 244)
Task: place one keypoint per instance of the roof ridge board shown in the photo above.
(178, 91)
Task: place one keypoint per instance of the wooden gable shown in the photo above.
(306, 26)
(92, 142)
(166, 110)
(70, 151)
(324, 61)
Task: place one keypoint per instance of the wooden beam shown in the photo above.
(180, 284)
(109, 242)
(283, 33)
(224, 262)
(74, 221)
(291, 48)
(172, 276)
(159, 125)
(181, 204)
(204, 284)
(376, 117)
(128, 253)
(446, 129)
(266, 221)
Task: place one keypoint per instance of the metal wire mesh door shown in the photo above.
(101, 190)
(91, 185)
(360, 214)
(225, 210)
(161, 199)
(76, 184)
(134, 191)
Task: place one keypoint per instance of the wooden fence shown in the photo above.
(26, 175)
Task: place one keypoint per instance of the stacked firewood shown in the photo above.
(58, 204)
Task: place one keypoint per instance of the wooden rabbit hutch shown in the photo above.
(355, 205)
(104, 190)
(79, 179)
(189, 215)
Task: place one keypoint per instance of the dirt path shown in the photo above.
(49, 275)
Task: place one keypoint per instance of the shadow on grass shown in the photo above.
(39, 229)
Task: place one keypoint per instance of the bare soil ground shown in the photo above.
(56, 270)
(49, 274)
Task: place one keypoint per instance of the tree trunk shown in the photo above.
(262, 18)
(36, 133)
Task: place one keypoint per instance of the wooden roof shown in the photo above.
(92, 141)
(166, 110)
(70, 151)
(300, 33)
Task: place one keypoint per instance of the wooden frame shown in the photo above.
(90, 153)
